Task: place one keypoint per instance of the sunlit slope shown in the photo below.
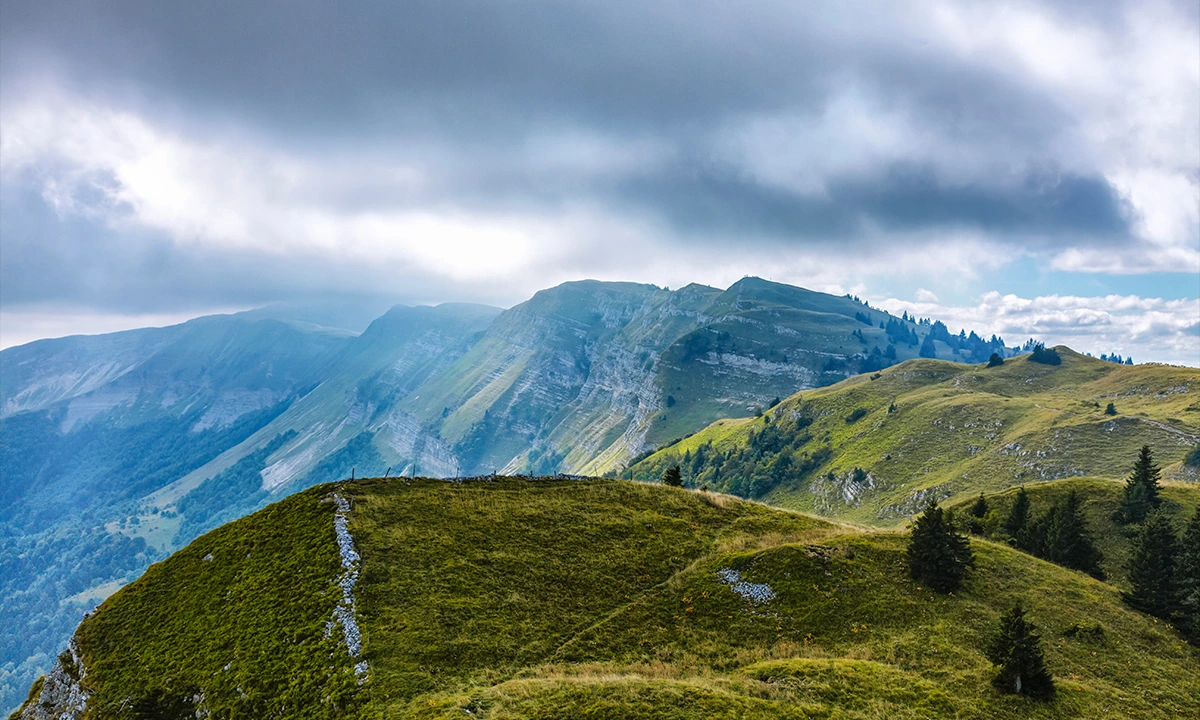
(553, 599)
(880, 446)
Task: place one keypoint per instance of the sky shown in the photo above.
(1026, 169)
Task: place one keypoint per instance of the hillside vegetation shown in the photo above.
(1100, 499)
(507, 597)
(876, 448)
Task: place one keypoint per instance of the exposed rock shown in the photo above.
(63, 695)
(345, 612)
(757, 593)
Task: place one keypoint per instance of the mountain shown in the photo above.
(90, 425)
(876, 448)
(579, 379)
(514, 597)
(117, 449)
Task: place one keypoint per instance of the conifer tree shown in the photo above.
(1016, 522)
(979, 508)
(1067, 540)
(938, 556)
(995, 360)
(978, 511)
(673, 477)
(1141, 490)
(1152, 568)
(1188, 576)
(1016, 649)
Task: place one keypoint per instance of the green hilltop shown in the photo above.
(509, 597)
(877, 447)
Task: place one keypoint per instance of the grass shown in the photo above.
(245, 627)
(957, 430)
(518, 598)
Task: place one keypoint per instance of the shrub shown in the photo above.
(995, 360)
(855, 416)
(1110, 410)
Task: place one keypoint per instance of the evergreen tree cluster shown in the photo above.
(1060, 534)
(900, 332)
(1116, 358)
(1164, 573)
(1046, 356)
(970, 346)
(938, 555)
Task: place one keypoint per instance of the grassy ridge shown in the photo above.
(239, 616)
(928, 429)
(520, 598)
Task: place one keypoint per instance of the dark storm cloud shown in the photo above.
(464, 92)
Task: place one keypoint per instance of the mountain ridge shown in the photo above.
(178, 429)
(518, 597)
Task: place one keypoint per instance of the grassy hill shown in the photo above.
(507, 598)
(875, 448)
(1100, 501)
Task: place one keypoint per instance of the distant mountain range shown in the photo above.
(117, 449)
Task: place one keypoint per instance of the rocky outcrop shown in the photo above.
(63, 695)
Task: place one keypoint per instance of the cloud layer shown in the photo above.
(167, 157)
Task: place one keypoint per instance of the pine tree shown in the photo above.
(938, 556)
(1152, 568)
(1016, 523)
(979, 508)
(1141, 490)
(673, 477)
(1187, 615)
(995, 360)
(1068, 541)
(1017, 650)
(977, 512)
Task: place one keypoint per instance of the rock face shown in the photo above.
(62, 695)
